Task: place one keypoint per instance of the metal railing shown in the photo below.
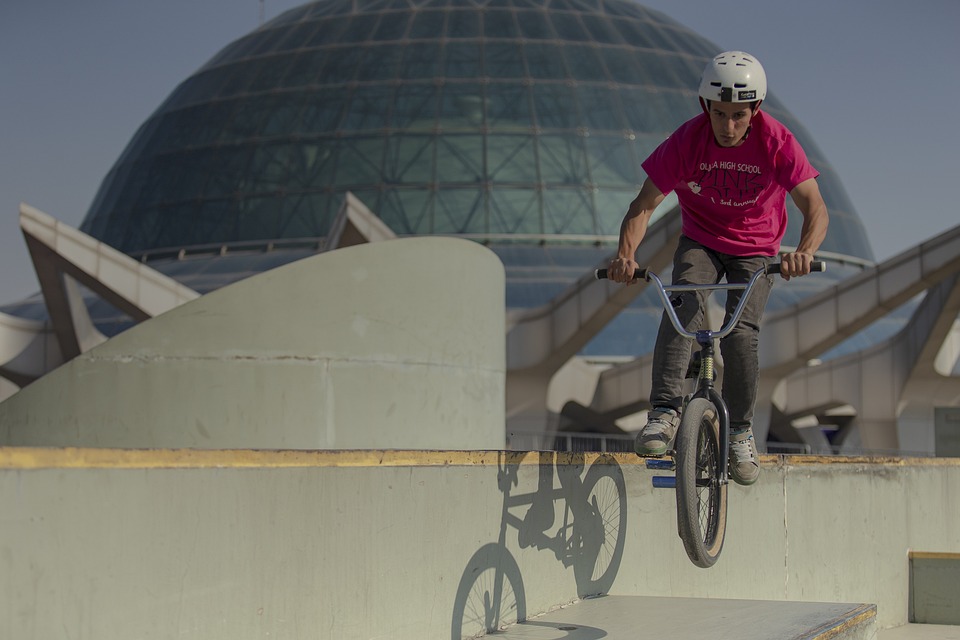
(568, 441)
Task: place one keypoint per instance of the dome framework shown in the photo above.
(506, 121)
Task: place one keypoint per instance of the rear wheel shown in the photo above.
(600, 528)
(701, 499)
(490, 595)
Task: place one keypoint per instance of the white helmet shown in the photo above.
(733, 76)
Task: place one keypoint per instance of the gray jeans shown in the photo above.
(695, 264)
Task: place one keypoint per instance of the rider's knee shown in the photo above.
(742, 337)
(687, 307)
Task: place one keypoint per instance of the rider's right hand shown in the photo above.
(622, 270)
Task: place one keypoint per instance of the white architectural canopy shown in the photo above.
(64, 257)
(910, 371)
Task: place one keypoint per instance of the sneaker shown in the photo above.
(744, 468)
(661, 427)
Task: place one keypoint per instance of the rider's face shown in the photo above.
(730, 121)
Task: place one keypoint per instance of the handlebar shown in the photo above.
(772, 269)
(663, 291)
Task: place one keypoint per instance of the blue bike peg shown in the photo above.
(665, 482)
(661, 463)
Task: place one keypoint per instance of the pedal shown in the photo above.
(664, 482)
(664, 464)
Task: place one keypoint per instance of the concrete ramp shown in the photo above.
(113, 544)
(631, 617)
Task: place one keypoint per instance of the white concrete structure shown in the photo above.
(356, 348)
(912, 372)
(376, 345)
(62, 257)
(889, 393)
(893, 387)
(119, 544)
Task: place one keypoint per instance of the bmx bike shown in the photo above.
(702, 444)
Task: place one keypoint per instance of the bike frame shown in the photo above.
(707, 340)
(702, 540)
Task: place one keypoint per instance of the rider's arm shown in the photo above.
(632, 230)
(806, 196)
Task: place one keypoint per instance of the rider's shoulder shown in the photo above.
(768, 126)
(696, 127)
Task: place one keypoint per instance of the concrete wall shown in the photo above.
(397, 345)
(104, 544)
(7, 389)
(934, 597)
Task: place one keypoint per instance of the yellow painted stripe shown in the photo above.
(859, 615)
(933, 555)
(85, 458)
(894, 461)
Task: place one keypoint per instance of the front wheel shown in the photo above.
(701, 498)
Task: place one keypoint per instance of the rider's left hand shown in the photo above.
(795, 264)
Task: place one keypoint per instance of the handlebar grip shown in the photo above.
(817, 265)
(639, 274)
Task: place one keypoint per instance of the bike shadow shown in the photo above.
(569, 631)
(577, 512)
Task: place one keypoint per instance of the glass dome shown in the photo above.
(519, 120)
(517, 123)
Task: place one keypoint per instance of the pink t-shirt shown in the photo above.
(733, 200)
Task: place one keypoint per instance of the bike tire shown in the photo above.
(701, 498)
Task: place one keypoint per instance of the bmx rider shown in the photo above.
(731, 167)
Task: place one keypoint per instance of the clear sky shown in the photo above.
(875, 82)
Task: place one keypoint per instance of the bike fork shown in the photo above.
(705, 387)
